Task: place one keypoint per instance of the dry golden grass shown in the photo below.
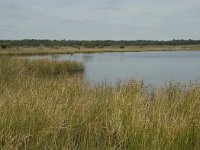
(63, 112)
(71, 50)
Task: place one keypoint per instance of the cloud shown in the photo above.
(100, 19)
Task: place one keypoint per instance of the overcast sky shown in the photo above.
(100, 19)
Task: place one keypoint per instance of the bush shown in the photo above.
(101, 46)
(5, 45)
(122, 46)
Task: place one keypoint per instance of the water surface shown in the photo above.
(154, 68)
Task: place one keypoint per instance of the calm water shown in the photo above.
(154, 68)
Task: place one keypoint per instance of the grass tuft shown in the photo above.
(63, 112)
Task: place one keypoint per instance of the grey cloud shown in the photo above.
(99, 19)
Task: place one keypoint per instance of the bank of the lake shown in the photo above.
(152, 67)
(71, 50)
(63, 112)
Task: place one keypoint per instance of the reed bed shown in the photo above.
(64, 112)
(71, 50)
(41, 68)
(46, 67)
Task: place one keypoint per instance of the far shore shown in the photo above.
(71, 50)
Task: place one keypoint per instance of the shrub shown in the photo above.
(122, 46)
(5, 45)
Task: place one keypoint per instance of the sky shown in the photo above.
(100, 19)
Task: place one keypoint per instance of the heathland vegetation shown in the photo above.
(93, 44)
(44, 47)
(43, 106)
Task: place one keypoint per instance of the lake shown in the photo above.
(155, 68)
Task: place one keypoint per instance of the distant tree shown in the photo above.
(5, 45)
(101, 46)
(88, 44)
(93, 44)
(122, 46)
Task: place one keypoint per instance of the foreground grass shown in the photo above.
(71, 50)
(63, 112)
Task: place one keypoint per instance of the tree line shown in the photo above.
(92, 44)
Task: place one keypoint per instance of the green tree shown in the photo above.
(5, 45)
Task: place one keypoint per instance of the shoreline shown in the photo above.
(42, 106)
(21, 51)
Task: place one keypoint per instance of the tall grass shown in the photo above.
(63, 112)
(46, 67)
(41, 68)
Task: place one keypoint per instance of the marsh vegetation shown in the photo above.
(44, 50)
(40, 111)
